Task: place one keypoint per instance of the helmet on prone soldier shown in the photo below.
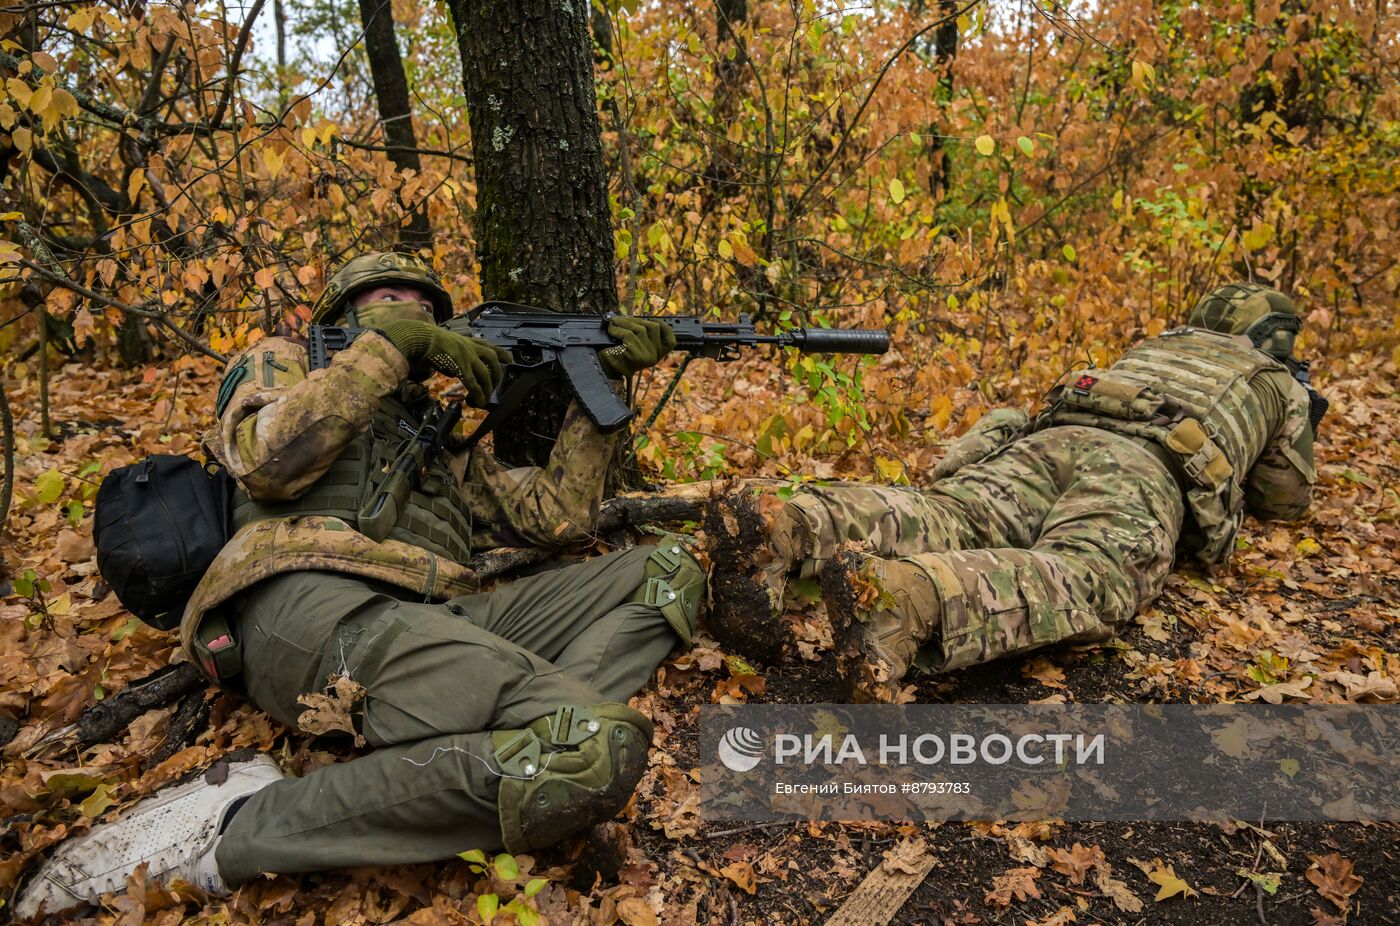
(1266, 316)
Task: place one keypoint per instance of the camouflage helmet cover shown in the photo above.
(380, 269)
(1266, 316)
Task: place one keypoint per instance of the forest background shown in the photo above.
(1012, 189)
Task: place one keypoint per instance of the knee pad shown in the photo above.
(567, 771)
(674, 585)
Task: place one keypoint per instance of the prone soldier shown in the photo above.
(1052, 530)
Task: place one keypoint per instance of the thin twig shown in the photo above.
(666, 396)
(244, 34)
(390, 149)
(746, 829)
(61, 279)
(7, 430)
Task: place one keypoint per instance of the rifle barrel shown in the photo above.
(837, 340)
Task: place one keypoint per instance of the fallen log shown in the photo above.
(624, 511)
(102, 722)
(189, 721)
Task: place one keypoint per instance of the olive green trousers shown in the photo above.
(437, 678)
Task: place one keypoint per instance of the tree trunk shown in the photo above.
(279, 23)
(719, 175)
(543, 227)
(395, 112)
(945, 49)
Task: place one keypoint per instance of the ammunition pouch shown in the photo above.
(1099, 392)
(368, 487)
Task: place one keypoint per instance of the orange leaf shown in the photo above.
(1334, 879)
(741, 873)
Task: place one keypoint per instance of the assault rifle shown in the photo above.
(380, 513)
(1317, 403)
(545, 345)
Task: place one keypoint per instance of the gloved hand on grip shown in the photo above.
(644, 342)
(471, 360)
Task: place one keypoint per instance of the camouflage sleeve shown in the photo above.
(280, 428)
(1280, 484)
(550, 506)
(992, 430)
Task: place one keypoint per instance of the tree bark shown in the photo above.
(279, 23)
(105, 720)
(395, 111)
(723, 168)
(945, 49)
(543, 227)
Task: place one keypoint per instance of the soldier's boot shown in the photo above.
(755, 544)
(174, 833)
(882, 611)
(567, 771)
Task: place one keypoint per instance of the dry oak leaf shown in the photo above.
(1077, 861)
(1323, 918)
(634, 911)
(1372, 687)
(1023, 850)
(1117, 891)
(909, 856)
(1334, 879)
(333, 710)
(1016, 884)
(73, 547)
(1274, 694)
(1045, 672)
(1169, 885)
(742, 874)
(1060, 917)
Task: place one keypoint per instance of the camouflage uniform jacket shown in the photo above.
(280, 429)
(1232, 421)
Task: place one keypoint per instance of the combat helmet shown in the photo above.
(380, 269)
(1267, 316)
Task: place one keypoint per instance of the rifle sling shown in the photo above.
(510, 400)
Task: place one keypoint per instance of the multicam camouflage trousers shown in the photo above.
(1058, 537)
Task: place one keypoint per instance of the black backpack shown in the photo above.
(157, 527)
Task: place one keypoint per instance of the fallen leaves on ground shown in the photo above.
(1334, 878)
(1017, 884)
(1166, 879)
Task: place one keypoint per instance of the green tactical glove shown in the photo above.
(473, 361)
(644, 342)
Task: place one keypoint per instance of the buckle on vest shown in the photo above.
(216, 649)
(1208, 467)
(667, 555)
